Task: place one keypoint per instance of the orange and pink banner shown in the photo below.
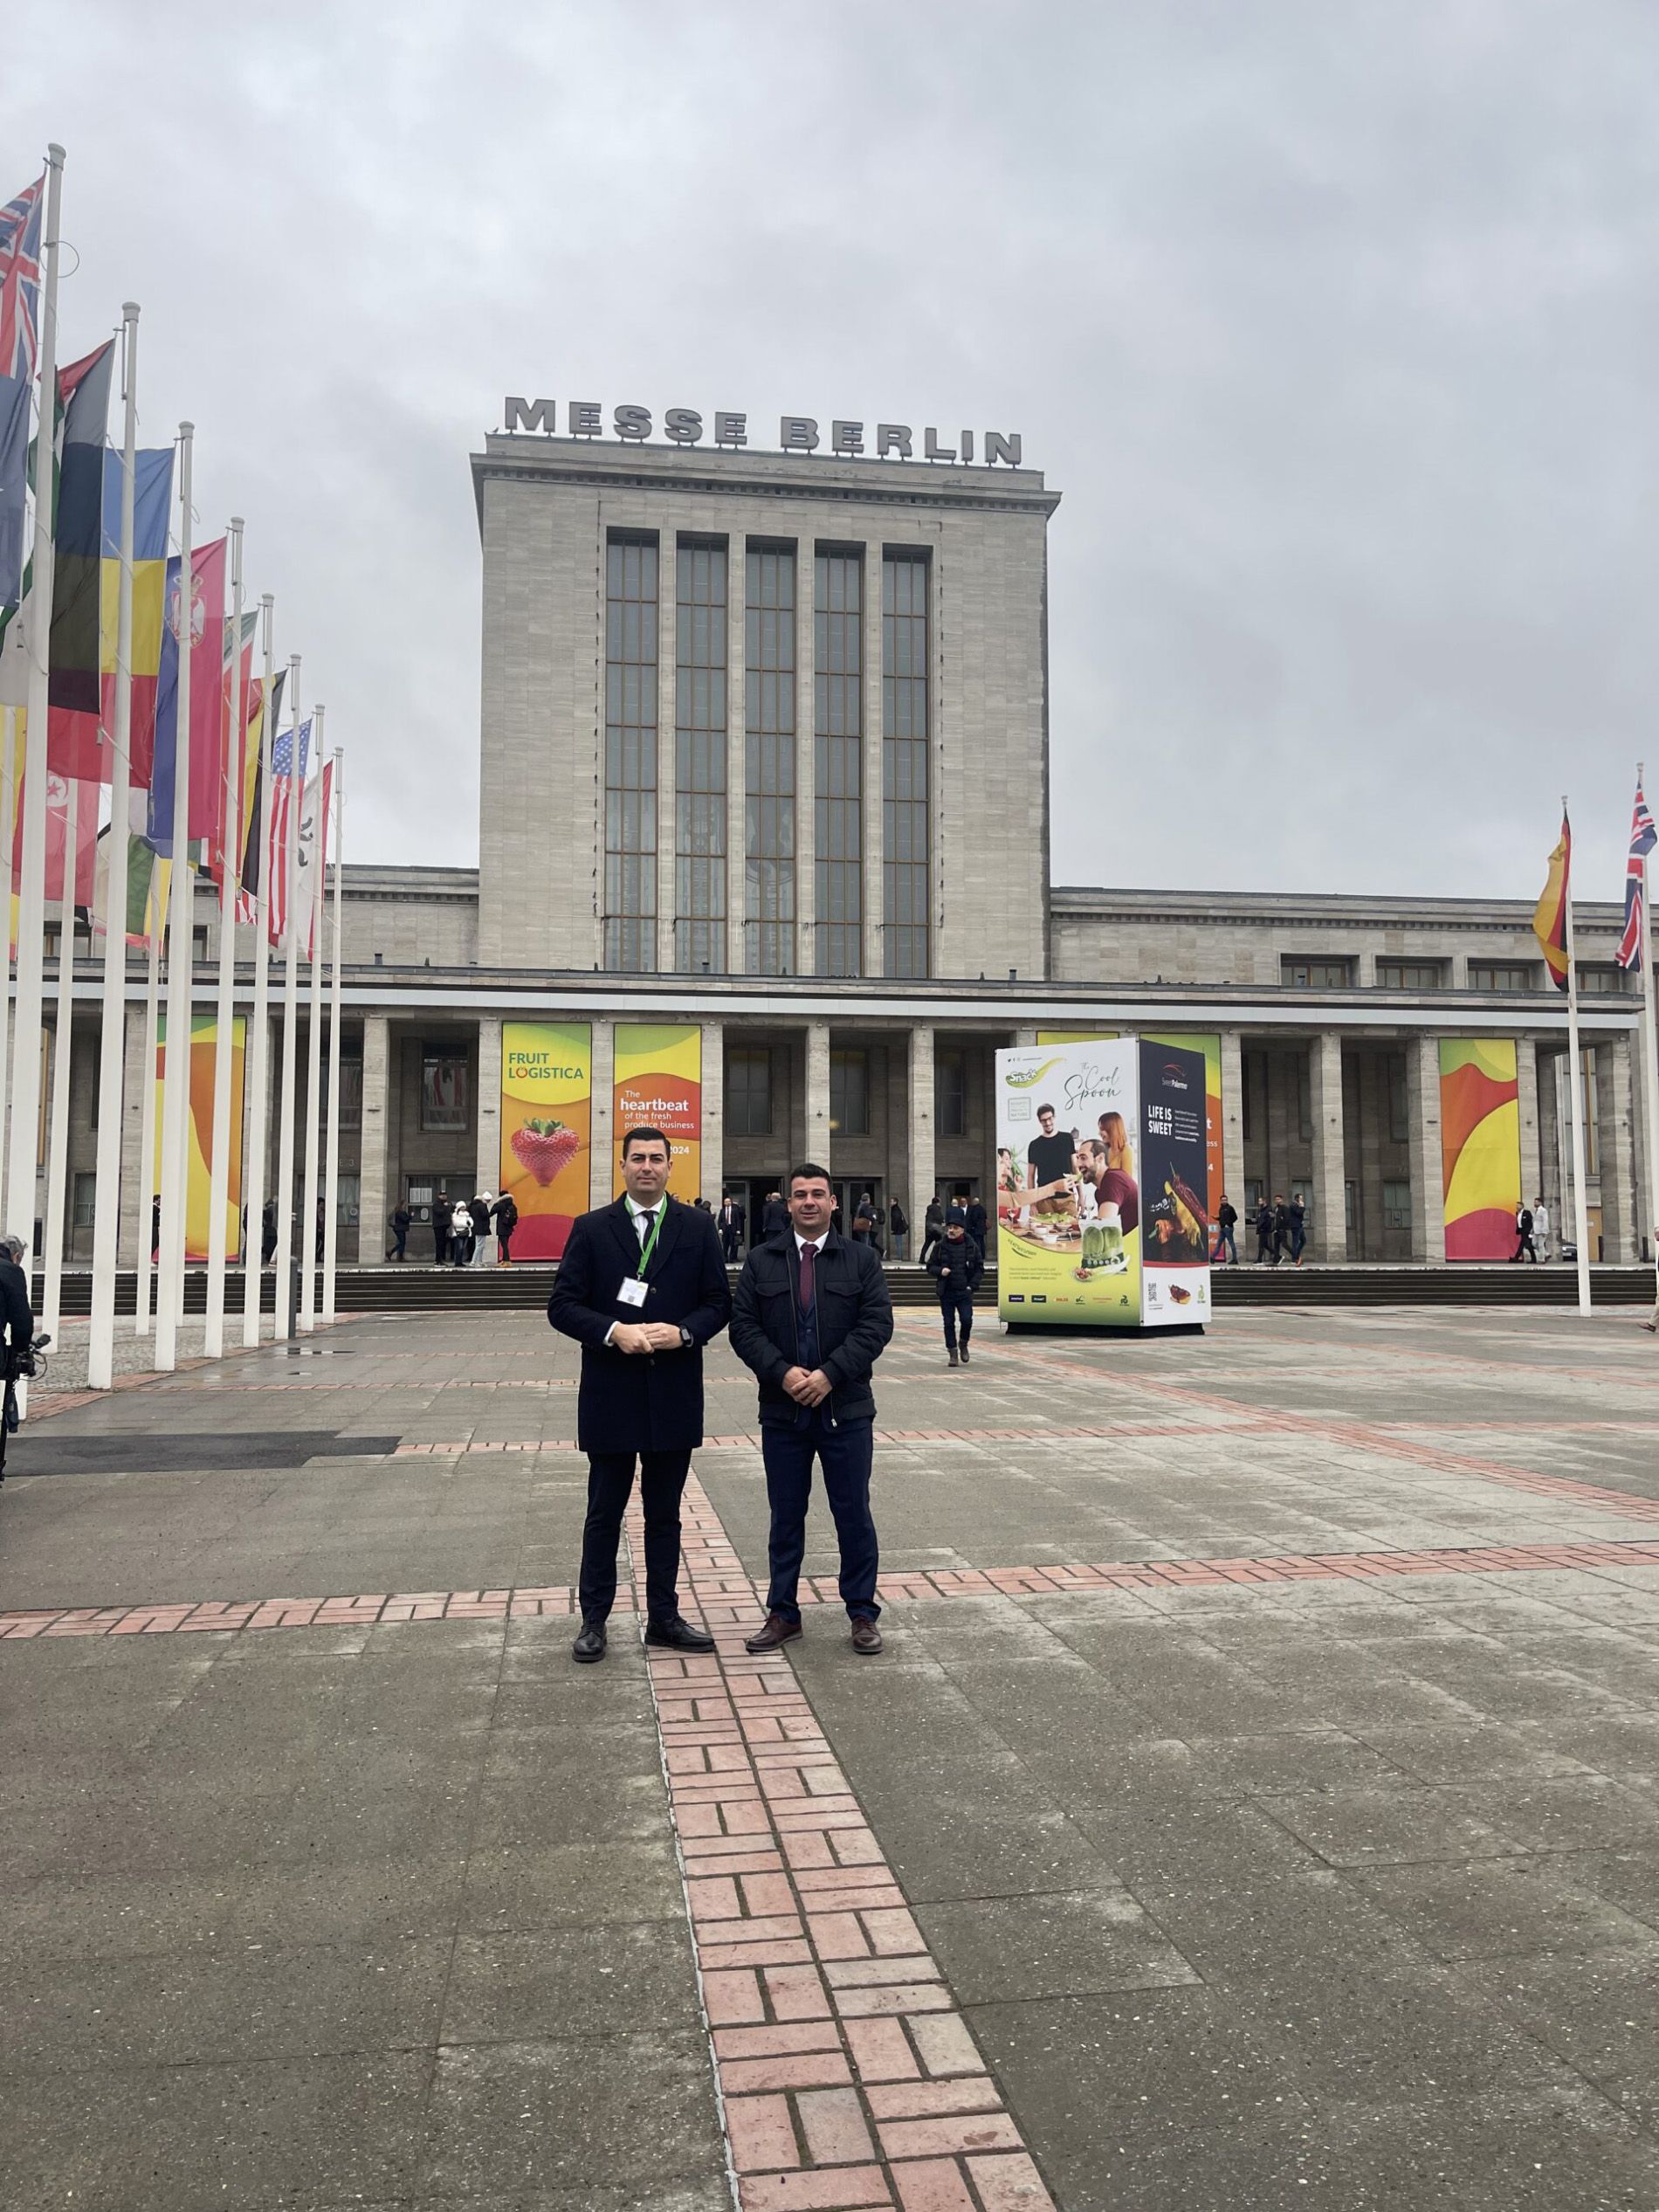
(546, 1130)
(658, 1085)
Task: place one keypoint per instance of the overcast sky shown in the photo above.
(1334, 323)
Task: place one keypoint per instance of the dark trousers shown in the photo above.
(504, 1239)
(844, 1451)
(440, 1244)
(400, 1238)
(1524, 1247)
(1225, 1242)
(957, 1310)
(730, 1242)
(610, 1476)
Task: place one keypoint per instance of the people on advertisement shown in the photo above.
(811, 1316)
(956, 1267)
(641, 1288)
(1226, 1231)
(1114, 1135)
(1047, 1157)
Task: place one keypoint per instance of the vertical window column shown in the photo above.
(768, 705)
(838, 670)
(906, 899)
(630, 754)
(699, 761)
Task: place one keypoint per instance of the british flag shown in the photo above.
(282, 785)
(20, 280)
(1643, 837)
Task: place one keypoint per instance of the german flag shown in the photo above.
(1549, 920)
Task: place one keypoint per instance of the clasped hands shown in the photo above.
(646, 1336)
(807, 1389)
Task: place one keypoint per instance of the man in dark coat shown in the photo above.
(643, 1288)
(776, 1219)
(956, 1265)
(443, 1207)
(16, 1329)
(811, 1317)
(978, 1226)
(731, 1221)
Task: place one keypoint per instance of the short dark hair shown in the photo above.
(635, 1136)
(1041, 1110)
(808, 1171)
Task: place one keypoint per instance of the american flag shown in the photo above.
(282, 783)
(1643, 837)
(20, 280)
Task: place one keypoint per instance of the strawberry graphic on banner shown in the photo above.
(547, 1118)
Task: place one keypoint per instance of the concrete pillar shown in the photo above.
(1026, 1035)
(373, 1200)
(1330, 1238)
(602, 1186)
(1233, 1117)
(1615, 1100)
(1532, 1132)
(713, 1112)
(920, 1171)
(1428, 1169)
(818, 1093)
(489, 1116)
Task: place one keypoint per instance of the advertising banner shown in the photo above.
(1480, 1140)
(1068, 1199)
(659, 1086)
(1175, 1235)
(199, 1185)
(1207, 1043)
(546, 1129)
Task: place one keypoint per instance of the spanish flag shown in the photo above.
(1549, 920)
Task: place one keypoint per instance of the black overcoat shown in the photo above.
(639, 1402)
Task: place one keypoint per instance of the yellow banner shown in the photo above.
(658, 1085)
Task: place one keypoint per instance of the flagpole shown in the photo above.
(331, 1171)
(176, 1077)
(112, 1044)
(314, 1062)
(224, 1015)
(9, 815)
(147, 1187)
(283, 1255)
(1650, 1056)
(1575, 1097)
(31, 889)
(260, 1042)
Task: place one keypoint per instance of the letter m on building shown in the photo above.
(527, 414)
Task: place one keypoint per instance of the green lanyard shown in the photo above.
(650, 1240)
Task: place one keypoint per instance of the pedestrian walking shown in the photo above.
(1263, 1233)
(979, 1226)
(811, 1317)
(268, 1233)
(479, 1209)
(731, 1219)
(320, 1231)
(16, 1334)
(504, 1214)
(932, 1227)
(442, 1210)
(1541, 1228)
(956, 1267)
(155, 1227)
(1281, 1226)
(774, 1218)
(898, 1227)
(1226, 1232)
(461, 1232)
(398, 1222)
(864, 1221)
(1524, 1247)
(641, 1288)
(1298, 1227)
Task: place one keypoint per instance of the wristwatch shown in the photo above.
(685, 1337)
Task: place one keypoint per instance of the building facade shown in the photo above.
(765, 756)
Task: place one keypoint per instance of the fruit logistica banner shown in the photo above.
(1068, 1196)
(199, 1183)
(658, 1085)
(546, 1129)
(1480, 1138)
(1174, 1236)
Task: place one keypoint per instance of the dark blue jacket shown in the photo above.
(638, 1401)
(855, 1323)
(966, 1262)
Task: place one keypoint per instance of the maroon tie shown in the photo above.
(809, 1292)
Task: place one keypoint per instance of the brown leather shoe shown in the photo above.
(778, 1630)
(866, 1637)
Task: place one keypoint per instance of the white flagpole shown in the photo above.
(1650, 1054)
(112, 1044)
(331, 1169)
(1575, 1097)
(51, 1262)
(284, 1253)
(36, 617)
(314, 1060)
(147, 1187)
(175, 1082)
(224, 1008)
(259, 1041)
(9, 816)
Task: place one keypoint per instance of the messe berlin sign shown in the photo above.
(796, 433)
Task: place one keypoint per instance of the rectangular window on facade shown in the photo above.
(443, 1092)
(1303, 1097)
(85, 1187)
(1602, 982)
(904, 815)
(1396, 1205)
(1591, 1109)
(347, 1192)
(950, 1101)
(850, 1094)
(630, 754)
(769, 741)
(351, 1092)
(838, 728)
(1399, 1099)
(748, 1091)
(1325, 974)
(1503, 976)
(699, 761)
(1411, 975)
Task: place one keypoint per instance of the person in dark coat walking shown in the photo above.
(1263, 1233)
(898, 1227)
(442, 1207)
(1226, 1235)
(504, 1214)
(1281, 1226)
(731, 1219)
(775, 1218)
(811, 1317)
(479, 1209)
(932, 1227)
(956, 1266)
(268, 1233)
(399, 1224)
(17, 1331)
(978, 1226)
(643, 1288)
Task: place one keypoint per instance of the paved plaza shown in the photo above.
(1256, 1804)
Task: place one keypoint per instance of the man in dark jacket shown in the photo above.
(731, 1221)
(504, 1214)
(16, 1330)
(811, 1317)
(776, 1219)
(478, 1207)
(643, 1288)
(956, 1265)
(978, 1226)
(932, 1227)
(443, 1207)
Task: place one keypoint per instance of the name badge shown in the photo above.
(631, 1291)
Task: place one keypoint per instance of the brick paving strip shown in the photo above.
(848, 2077)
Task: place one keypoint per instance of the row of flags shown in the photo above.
(1550, 918)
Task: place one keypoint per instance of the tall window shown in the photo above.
(748, 1091)
(444, 1090)
(838, 684)
(768, 710)
(699, 761)
(850, 1094)
(904, 762)
(950, 1104)
(630, 754)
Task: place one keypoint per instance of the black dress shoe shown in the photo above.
(678, 1636)
(590, 1644)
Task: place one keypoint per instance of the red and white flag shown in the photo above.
(282, 783)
